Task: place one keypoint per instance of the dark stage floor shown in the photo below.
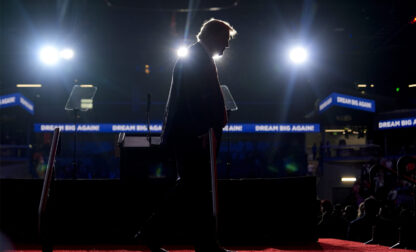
(321, 245)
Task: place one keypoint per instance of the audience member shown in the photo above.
(385, 232)
(350, 213)
(361, 229)
(326, 225)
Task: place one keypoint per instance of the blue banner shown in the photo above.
(347, 101)
(8, 100)
(326, 103)
(17, 99)
(157, 128)
(397, 123)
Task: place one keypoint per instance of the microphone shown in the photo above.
(149, 138)
(148, 103)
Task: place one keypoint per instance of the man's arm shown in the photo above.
(212, 99)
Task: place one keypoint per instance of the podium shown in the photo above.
(142, 161)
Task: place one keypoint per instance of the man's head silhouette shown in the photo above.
(215, 34)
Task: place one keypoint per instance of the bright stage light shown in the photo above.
(49, 55)
(348, 179)
(298, 55)
(182, 52)
(67, 54)
(86, 85)
(217, 57)
(334, 130)
(29, 85)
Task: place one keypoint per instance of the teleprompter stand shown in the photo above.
(80, 100)
(230, 105)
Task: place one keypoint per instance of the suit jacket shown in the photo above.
(195, 102)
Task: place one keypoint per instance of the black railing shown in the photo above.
(43, 218)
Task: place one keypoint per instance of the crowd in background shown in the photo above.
(380, 209)
(237, 159)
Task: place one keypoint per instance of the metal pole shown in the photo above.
(228, 164)
(213, 175)
(74, 158)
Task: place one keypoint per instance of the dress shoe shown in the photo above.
(158, 250)
(220, 249)
(213, 249)
(151, 244)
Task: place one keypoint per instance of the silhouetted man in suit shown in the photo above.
(195, 104)
(361, 228)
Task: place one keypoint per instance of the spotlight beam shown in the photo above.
(67, 54)
(298, 55)
(49, 55)
(182, 52)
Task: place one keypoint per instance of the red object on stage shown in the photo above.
(323, 245)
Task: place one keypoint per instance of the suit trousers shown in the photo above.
(190, 201)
